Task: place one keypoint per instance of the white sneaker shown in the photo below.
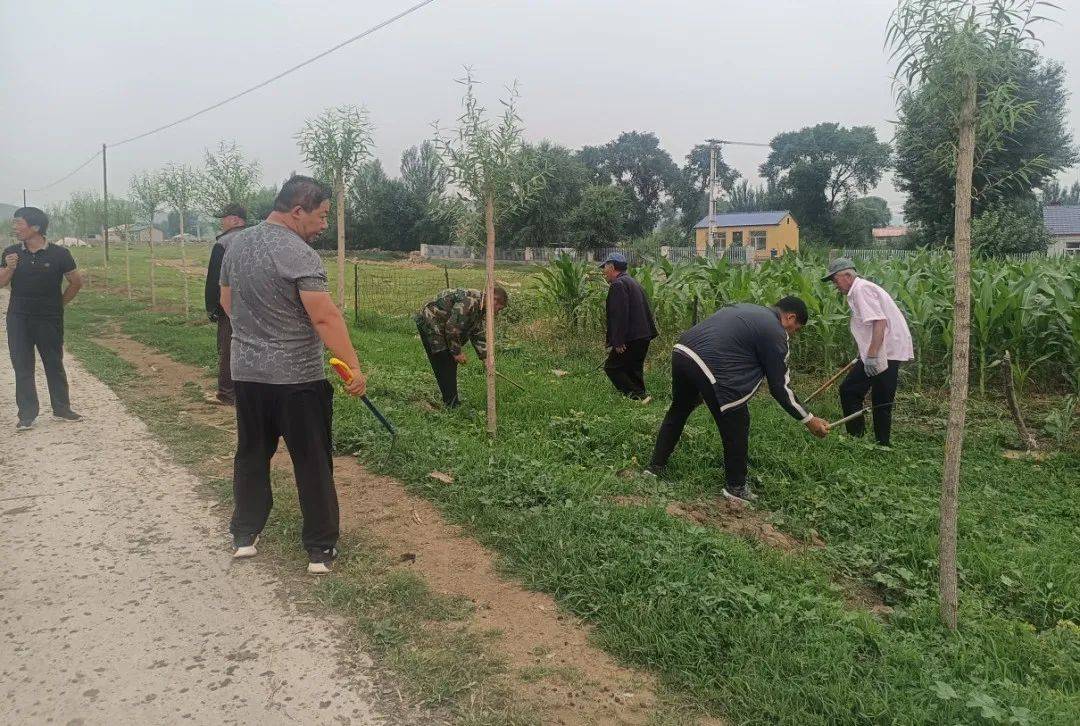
(245, 547)
(319, 561)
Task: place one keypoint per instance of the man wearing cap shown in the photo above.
(884, 341)
(233, 219)
(445, 324)
(630, 329)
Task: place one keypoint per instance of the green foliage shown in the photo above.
(1009, 227)
(567, 286)
(488, 162)
(544, 220)
(335, 142)
(820, 166)
(742, 197)
(635, 162)
(600, 219)
(179, 185)
(227, 178)
(857, 219)
(1023, 138)
(1054, 193)
(148, 194)
(1062, 419)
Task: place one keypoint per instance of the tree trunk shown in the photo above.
(489, 311)
(183, 267)
(127, 263)
(958, 391)
(341, 243)
(150, 241)
(1026, 439)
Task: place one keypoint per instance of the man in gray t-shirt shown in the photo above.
(273, 288)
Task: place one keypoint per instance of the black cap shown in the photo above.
(233, 210)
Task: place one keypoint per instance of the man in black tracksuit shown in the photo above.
(36, 271)
(630, 328)
(233, 219)
(722, 361)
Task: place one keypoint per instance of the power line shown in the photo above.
(284, 73)
(79, 168)
(263, 84)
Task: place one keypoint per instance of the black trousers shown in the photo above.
(24, 333)
(689, 388)
(224, 345)
(882, 388)
(627, 369)
(444, 367)
(300, 413)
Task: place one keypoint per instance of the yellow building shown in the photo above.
(768, 234)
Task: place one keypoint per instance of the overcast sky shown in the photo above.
(76, 74)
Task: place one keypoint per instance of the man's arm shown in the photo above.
(333, 332)
(7, 267)
(75, 283)
(877, 337)
(772, 354)
(226, 299)
(212, 292)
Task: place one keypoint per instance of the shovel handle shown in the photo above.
(832, 380)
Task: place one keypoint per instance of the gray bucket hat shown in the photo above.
(838, 265)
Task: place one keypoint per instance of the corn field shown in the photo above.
(1029, 308)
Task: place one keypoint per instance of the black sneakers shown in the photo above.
(24, 425)
(319, 560)
(68, 415)
(741, 494)
(245, 546)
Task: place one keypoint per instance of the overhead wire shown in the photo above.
(373, 29)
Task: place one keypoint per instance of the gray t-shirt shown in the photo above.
(273, 341)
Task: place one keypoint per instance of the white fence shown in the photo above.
(736, 255)
(879, 253)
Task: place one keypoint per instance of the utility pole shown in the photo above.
(712, 193)
(24, 197)
(105, 190)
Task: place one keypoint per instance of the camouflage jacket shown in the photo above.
(453, 317)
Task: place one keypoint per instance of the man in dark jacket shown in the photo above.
(630, 328)
(233, 218)
(722, 361)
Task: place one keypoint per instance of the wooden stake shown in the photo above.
(832, 380)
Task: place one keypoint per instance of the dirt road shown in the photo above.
(119, 601)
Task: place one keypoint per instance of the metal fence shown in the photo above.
(879, 253)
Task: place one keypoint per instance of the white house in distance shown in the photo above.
(1063, 224)
(137, 232)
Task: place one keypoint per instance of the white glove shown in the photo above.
(874, 366)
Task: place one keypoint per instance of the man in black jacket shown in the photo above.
(233, 218)
(722, 361)
(630, 328)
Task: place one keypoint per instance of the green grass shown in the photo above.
(756, 635)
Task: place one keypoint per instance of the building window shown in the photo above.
(736, 239)
(1072, 248)
(757, 240)
(720, 240)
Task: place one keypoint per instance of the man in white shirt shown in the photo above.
(884, 341)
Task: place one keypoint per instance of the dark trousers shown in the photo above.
(24, 333)
(300, 413)
(689, 387)
(444, 367)
(224, 347)
(882, 389)
(627, 369)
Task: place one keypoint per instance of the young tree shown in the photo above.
(227, 178)
(959, 50)
(148, 195)
(600, 218)
(333, 144)
(494, 174)
(180, 184)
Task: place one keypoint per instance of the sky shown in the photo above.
(77, 74)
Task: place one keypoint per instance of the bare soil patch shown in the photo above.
(570, 680)
(733, 518)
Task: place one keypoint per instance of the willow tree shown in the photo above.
(180, 185)
(334, 144)
(495, 174)
(961, 52)
(228, 177)
(148, 196)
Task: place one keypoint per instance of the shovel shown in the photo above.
(858, 413)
